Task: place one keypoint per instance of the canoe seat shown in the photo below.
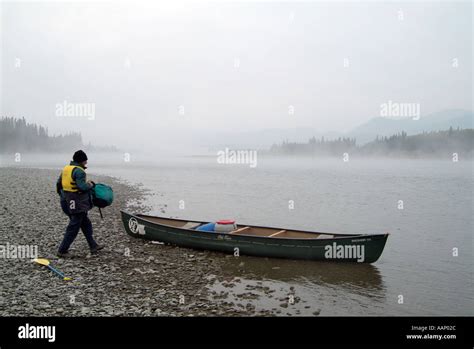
(239, 230)
(191, 225)
(325, 236)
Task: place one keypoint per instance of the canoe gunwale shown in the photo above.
(335, 236)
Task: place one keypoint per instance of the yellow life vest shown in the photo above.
(68, 183)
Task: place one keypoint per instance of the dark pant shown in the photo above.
(65, 208)
(76, 221)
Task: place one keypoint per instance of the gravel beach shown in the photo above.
(130, 277)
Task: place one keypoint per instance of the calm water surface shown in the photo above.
(359, 196)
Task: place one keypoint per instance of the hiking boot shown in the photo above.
(64, 254)
(96, 249)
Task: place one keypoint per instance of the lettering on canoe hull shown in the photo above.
(135, 227)
(361, 240)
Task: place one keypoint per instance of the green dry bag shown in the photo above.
(102, 195)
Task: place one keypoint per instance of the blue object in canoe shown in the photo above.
(207, 227)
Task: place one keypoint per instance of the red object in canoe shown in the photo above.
(225, 221)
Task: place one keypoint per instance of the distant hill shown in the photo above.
(381, 127)
(364, 133)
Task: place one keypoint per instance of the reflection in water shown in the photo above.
(349, 275)
(318, 288)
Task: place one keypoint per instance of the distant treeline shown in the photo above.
(430, 144)
(16, 135)
(315, 147)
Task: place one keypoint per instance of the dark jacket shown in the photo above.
(80, 201)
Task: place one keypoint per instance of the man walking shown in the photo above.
(76, 201)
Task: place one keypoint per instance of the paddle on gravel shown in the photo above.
(46, 263)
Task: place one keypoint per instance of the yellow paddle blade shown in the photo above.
(41, 261)
(67, 279)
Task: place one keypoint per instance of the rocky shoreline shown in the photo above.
(130, 277)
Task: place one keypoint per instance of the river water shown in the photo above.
(426, 206)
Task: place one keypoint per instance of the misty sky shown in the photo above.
(232, 66)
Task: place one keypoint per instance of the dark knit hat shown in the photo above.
(79, 156)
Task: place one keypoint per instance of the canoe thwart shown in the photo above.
(277, 233)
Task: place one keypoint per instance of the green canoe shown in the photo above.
(258, 241)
